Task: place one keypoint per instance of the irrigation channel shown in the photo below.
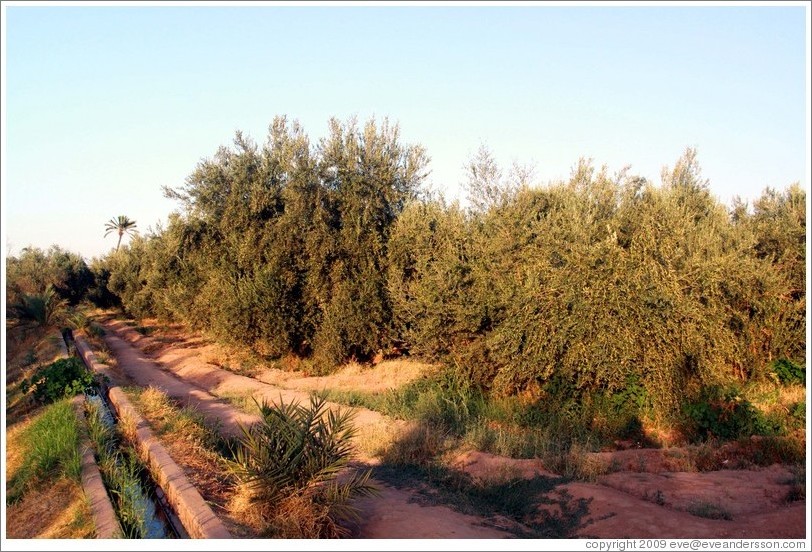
(139, 501)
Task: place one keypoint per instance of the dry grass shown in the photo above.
(39, 344)
(104, 355)
(58, 510)
(293, 517)
(193, 446)
(662, 434)
(373, 440)
(580, 464)
(771, 398)
(354, 377)
(15, 451)
(128, 427)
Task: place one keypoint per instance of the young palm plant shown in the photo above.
(38, 309)
(288, 466)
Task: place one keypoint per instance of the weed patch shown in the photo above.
(63, 378)
(708, 510)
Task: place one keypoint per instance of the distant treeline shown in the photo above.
(604, 283)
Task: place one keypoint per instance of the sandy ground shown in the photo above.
(656, 503)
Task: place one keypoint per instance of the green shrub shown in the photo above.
(294, 455)
(144, 330)
(721, 412)
(63, 378)
(96, 330)
(788, 372)
(708, 510)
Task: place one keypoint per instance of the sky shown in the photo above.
(104, 105)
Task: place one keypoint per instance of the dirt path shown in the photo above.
(393, 514)
(622, 504)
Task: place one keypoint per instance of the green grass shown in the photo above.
(122, 475)
(371, 401)
(447, 404)
(52, 449)
(96, 331)
(243, 401)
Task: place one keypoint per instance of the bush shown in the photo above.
(63, 378)
(36, 270)
(721, 412)
(788, 372)
(288, 462)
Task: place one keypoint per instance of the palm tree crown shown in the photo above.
(122, 225)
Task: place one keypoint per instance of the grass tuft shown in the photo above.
(708, 510)
(51, 443)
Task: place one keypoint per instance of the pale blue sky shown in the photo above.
(105, 105)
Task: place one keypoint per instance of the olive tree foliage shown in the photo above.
(34, 270)
(282, 247)
(596, 284)
(589, 287)
(776, 228)
(430, 277)
(369, 177)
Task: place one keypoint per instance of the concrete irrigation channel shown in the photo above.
(188, 513)
(104, 515)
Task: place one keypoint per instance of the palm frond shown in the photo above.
(297, 451)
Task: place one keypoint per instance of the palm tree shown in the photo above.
(122, 225)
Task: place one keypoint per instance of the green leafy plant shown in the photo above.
(721, 412)
(788, 371)
(446, 400)
(798, 411)
(96, 330)
(292, 457)
(62, 378)
(78, 320)
(144, 330)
